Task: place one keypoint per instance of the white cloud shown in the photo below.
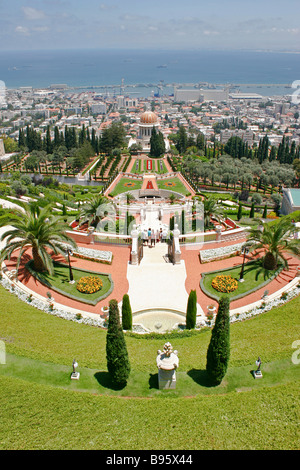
(208, 32)
(33, 14)
(104, 7)
(22, 30)
(40, 29)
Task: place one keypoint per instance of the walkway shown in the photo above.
(156, 283)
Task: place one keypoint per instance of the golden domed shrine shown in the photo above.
(148, 117)
(147, 121)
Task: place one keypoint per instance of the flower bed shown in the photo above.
(224, 284)
(89, 285)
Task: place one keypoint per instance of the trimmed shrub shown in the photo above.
(118, 364)
(240, 212)
(191, 310)
(218, 351)
(126, 313)
(265, 213)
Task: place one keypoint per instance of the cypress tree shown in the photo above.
(191, 310)
(181, 144)
(118, 364)
(218, 351)
(22, 139)
(56, 143)
(239, 214)
(49, 145)
(126, 313)
(154, 143)
(252, 210)
(265, 212)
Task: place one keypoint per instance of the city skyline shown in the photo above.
(62, 24)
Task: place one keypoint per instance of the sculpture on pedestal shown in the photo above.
(167, 362)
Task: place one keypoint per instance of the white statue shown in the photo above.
(167, 362)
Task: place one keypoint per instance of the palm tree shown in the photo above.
(275, 240)
(37, 229)
(91, 211)
(212, 210)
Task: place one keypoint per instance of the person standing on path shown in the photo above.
(153, 238)
(149, 236)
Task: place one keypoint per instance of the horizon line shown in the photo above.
(161, 49)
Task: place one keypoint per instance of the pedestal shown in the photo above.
(75, 375)
(257, 374)
(167, 363)
(166, 379)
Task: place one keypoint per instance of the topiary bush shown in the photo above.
(118, 364)
(191, 310)
(126, 313)
(218, 351)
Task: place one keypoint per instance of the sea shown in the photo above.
(144, 73)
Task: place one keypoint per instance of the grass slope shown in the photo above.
(241, 413)
(41, 417)
(37, 335)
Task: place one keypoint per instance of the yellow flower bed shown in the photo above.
(89, 284)
(224, 283)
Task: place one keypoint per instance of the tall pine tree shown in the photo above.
(191, 310)
(126, 313)
(118, 364)
(218, 351)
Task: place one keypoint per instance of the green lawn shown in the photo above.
(143, 383)
(41, 408)
(254, 278)
(137, 166)
(173, 184)
(48, 338)
(126, 184)
(41, 417)
(59, 281)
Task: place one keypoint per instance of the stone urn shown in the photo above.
(211, 309)
(218, 229)
(105, 311)
(167, 362)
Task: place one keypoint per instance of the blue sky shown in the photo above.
(155, 24)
